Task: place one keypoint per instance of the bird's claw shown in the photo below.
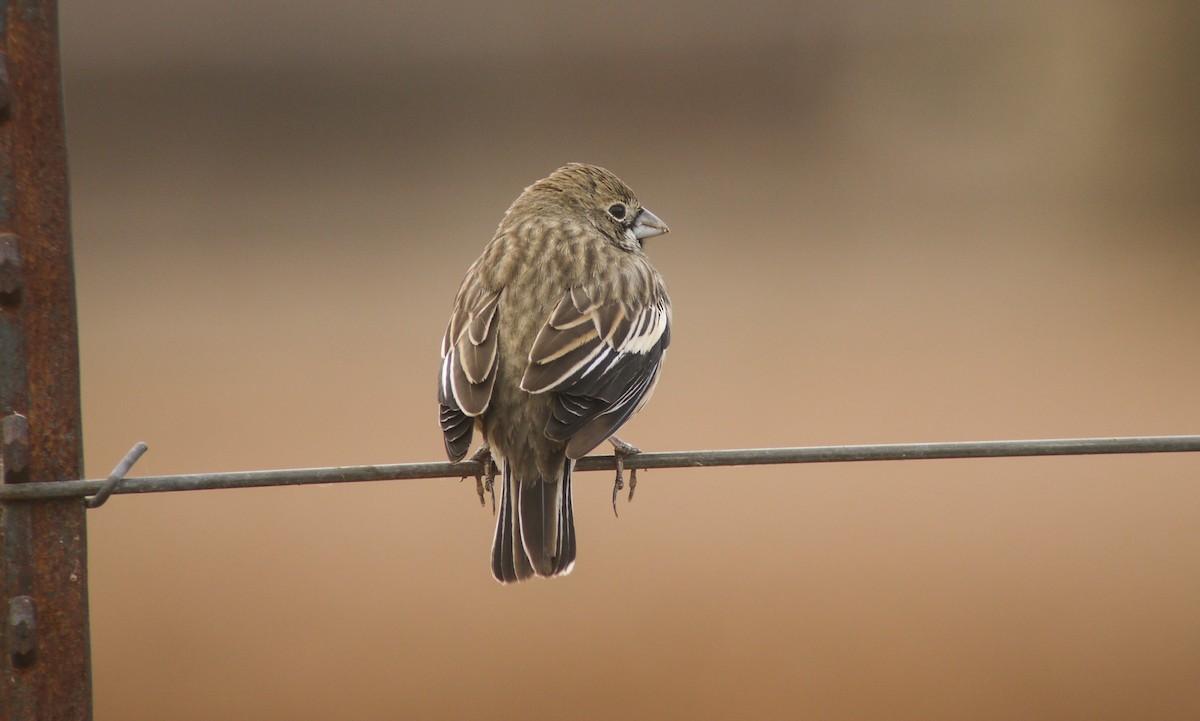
(483, 456)
(621, 450)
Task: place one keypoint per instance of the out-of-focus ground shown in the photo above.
(927, 223)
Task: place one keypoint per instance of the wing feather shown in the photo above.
(468, 374)
(603, 361)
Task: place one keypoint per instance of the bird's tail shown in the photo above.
(535, 528)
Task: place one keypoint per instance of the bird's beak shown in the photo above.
(648, 225)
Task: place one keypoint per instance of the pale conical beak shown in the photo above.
(648, 225)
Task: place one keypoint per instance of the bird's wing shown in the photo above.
(602, 359)
(468, 367)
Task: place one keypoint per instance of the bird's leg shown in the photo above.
(621, 450)
(483, 456)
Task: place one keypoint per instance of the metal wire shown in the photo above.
(675, 459)
(117, 476)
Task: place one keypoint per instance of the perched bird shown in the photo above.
(556, 338)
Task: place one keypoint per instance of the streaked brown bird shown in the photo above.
(556, 338)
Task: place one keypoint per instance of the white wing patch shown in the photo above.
(643, 336)
(574, 350)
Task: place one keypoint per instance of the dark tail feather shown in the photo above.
(565, 556)
(508, 565)
(535, 528)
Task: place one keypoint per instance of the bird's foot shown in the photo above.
(483, 456)
(622, 450)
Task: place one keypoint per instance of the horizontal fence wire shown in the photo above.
(672, 459)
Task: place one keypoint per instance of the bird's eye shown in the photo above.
(617, 211)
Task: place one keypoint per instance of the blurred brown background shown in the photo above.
(892, 222)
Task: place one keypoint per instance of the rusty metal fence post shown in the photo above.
(45, 661)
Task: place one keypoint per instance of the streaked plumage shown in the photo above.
(556, 338)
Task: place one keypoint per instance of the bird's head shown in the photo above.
(601, 200)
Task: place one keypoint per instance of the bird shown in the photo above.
(556, 337)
